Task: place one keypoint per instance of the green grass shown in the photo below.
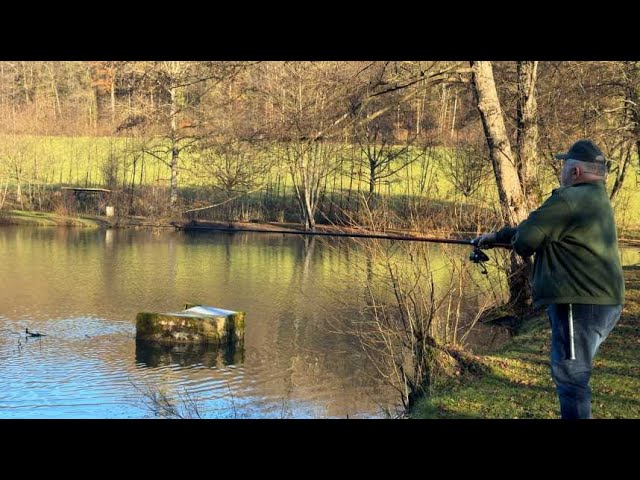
(56, 160)
(73, 160)
(42, 219)
(80, 161)
(518, 383)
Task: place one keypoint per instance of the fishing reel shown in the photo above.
(479, 257)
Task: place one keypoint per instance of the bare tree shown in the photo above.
(410, 324)
(104, 79)
(512, 200)
(236, 167)
(312, 100)
(383, 159)
(627, 127)
(466, 167)
(173, 111)
(504, 166)
(309, 164)
(14, 156)
(527, 128)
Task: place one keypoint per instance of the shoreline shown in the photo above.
(33, 218)
(49, 219)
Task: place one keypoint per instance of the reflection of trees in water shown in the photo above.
(306, 358)
(417, 311)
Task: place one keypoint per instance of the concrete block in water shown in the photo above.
(195, 324)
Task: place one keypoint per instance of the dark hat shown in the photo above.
(583, 150)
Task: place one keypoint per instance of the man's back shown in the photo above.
(574, 237)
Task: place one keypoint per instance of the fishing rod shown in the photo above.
(476, 256)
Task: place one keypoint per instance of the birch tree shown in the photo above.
(510, 191)
(527, 128)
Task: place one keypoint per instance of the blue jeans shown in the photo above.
(591, 325)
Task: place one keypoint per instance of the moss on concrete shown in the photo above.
(170, 329)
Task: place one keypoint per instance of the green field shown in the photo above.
(82, 161)
(44, 219)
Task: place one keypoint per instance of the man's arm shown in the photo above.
(487, 240)
(546, 222)
(532, 233)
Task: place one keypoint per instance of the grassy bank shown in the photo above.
(45, 219)
(518, 383)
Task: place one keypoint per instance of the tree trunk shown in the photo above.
(19, 192)
(4, 194)
(527, 128)
(512, 200)
(57, 108)
(113, 99)
(173, 196)
(25, 83)
(372, 179)
(453, 119)
(507, 180)
(630, 121)
(309, 210)
(617, 185)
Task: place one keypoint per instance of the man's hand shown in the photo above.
(486, 240)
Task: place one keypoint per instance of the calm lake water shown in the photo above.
(83, 288)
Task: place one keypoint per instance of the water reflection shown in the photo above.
(82, 287)
(85, 287)
(152, 354)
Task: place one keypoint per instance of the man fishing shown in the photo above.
(576, 271)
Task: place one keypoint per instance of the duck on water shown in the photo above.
(33, 334)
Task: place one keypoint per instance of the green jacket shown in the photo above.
(573, 235)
